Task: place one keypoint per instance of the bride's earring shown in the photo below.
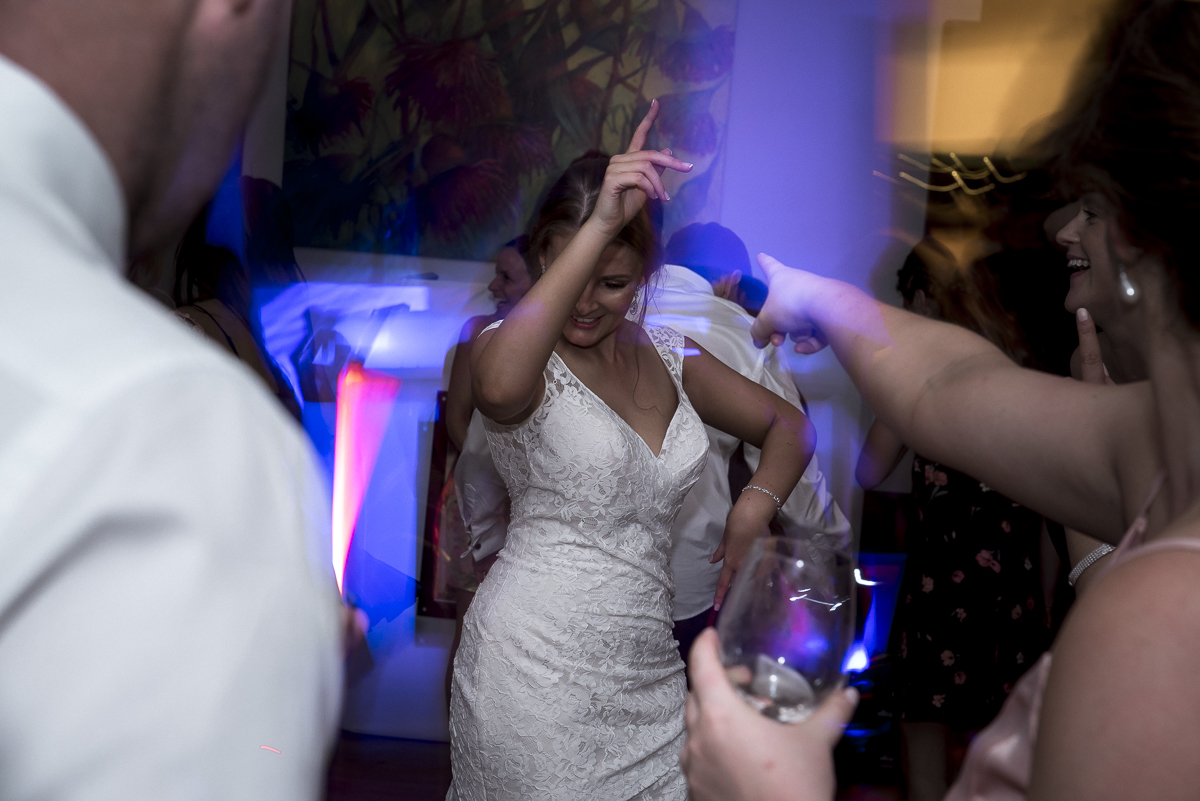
(1129, 292)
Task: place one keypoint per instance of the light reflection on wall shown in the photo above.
(396, 320)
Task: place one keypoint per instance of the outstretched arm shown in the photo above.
(882, 451)
(1048, 442)
(732, 403)
(507, 362)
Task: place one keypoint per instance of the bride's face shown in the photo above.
(607, 297)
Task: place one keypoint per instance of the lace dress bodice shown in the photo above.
(568, 683)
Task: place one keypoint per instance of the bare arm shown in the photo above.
(882, 451)
(1048, 442)
(728, 401)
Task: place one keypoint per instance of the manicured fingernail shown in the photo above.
(1081, 315)
(667, 196)
(688, 164)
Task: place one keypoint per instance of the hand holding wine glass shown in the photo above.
(734, 754)
(786, 626)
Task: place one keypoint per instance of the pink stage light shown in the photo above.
(364, 404)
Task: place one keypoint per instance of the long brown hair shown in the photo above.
(570, 203)
(1132, 134)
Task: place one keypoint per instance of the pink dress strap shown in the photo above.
(999, 763)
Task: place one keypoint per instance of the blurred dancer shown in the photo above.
(473, 516)
(972, 614)
(685, 300)
(167, 611)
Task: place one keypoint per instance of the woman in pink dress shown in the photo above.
(1116, 713)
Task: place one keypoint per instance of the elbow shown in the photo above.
(498, 399)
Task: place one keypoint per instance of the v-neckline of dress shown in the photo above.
(670, 424)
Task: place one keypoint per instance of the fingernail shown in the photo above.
(688, 164)
(1081, 315)
(666, 195)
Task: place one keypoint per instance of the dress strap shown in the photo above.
(1136, 533)
(671, 347)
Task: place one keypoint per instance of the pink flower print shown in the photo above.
(957, 576)
(1016, 612)
(960, 613)
(984, 558)
(947, 657)
(1029, 604)
(1005, 526)
(960, 678)
(1020, 658)
(926, 584)
(940, 479)
(938, 700)
(1007, 687)
(928, 474)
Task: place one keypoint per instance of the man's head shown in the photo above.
(165, 86)
(720, 256)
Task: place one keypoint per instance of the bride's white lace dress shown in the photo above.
(568, 683)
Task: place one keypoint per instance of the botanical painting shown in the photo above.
(434, 127)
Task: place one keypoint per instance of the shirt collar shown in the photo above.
(52, 163)
(681, 278)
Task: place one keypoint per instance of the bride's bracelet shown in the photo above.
(778, 503)
(1087, 561)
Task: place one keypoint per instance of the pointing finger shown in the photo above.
(638, 142)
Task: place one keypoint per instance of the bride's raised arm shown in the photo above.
(1056, 445)
(507, 362)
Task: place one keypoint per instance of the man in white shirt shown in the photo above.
(168, 619)
(685, 301)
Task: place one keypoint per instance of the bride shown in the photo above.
(568, 683)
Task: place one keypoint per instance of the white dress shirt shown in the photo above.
(685, 301)
(166, 598)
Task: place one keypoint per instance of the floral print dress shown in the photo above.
(972, 615)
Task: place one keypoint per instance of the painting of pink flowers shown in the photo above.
(434, 127)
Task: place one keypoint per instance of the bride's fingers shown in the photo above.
(638, 141)
(722, 585)
(631, 170)
(658, 158)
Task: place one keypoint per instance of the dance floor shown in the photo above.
(367, 768)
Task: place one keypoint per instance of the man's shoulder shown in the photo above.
(93, 335)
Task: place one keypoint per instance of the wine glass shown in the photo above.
(786, 625)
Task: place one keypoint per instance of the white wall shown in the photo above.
(798, 183)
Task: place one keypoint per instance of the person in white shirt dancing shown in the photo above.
(168, 619)
(697, 258)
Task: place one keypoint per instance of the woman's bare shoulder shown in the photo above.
(472, 327)
(1121, 714)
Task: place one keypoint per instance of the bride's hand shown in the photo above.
(748, 520)
(632, 177)
(785, 311)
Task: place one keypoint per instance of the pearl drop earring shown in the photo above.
(1129, 292)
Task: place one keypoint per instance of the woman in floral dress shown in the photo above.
(971, 610)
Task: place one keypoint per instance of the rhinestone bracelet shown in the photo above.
(1087, 561)
(778, 503)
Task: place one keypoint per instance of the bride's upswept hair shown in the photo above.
(569, 204)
